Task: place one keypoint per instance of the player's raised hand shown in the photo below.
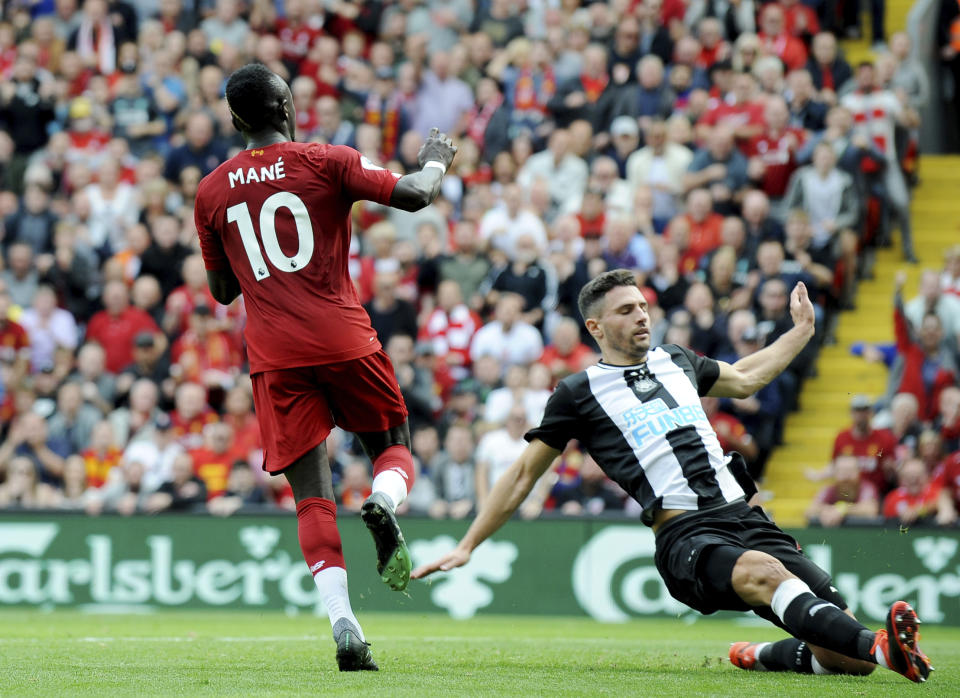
(457, 557)
(801, 309)
(439, 147)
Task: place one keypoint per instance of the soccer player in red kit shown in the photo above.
(274, 224)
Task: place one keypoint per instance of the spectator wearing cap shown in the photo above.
(875, 449)
(624, 140)
(53, 331)
(566, 173)
(917, 496)
(117, 324)
(507, 337)
(204, 354)
(849, 495)
(660, 165)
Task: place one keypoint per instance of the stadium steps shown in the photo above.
(825, 400)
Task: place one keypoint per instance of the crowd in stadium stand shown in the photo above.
(722, 150)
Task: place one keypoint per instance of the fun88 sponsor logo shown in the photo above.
(654, 418)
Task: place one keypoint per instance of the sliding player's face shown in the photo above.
(626, 323)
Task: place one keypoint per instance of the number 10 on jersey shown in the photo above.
(240, 214)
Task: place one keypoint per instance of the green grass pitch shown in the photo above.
(250, 654)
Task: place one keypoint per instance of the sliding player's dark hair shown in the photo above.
(597, 288)
(252, 92)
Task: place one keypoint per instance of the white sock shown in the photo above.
(332, 583)
(818, 668)
(392, 484)
(784, 594)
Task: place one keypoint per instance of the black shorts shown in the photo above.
(696, 553)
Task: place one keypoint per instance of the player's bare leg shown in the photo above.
(838, 643)
(310, 479)
(393, 476)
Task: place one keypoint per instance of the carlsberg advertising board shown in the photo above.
(603, 569)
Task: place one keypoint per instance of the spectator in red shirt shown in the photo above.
(776, 148)
(926, 369)
(704, 224)
(799, 19)
(713, 48)
(115, 327)
(193, 292)
(744, 115)
(874, 449)
(917, 496)
(450, 329)
(355, 486)
(297, 29)
(777, 41)
(849, 495)
(947, 479)
(212, 461)
(238, 413)
(566, 354)
(101, 456)
(190, 415)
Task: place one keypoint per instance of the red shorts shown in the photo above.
(297, 407)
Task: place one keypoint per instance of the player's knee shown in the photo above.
(758, 574)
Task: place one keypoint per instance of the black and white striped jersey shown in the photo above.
(645, 426)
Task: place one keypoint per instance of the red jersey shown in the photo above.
(451, 333)
(189, 432)
(99, 465)
(572, 363)
(213, 468)
(734, 115)
(788, 48)
(279, 218)
(777, 155)
(14, 341)
(196, 356)
(115, 334)
(733, 427)
(296, 39)
(872, 451)
(895, 503)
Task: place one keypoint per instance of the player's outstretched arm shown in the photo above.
(419, 189)
(752, 372)
(506, 496)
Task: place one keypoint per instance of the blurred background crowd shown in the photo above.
(723, 150)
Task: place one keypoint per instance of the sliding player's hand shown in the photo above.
(801, 309)
(439, 147)
(457, 557)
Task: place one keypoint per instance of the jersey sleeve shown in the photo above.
(211, 245)
(560, 421)
(705, 370)
(360, 179)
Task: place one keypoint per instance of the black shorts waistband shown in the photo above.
(738, 505)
